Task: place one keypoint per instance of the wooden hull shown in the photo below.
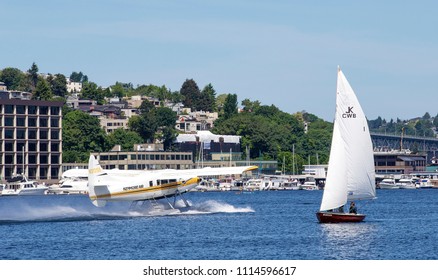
(333, 217)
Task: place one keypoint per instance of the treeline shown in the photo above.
(425, 126)
(271, 134)
(267, 132)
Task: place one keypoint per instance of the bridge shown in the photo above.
(384, 142)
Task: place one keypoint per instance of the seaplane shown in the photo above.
(145, 185)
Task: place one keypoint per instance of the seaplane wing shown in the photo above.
(146, 185)
(206, 171)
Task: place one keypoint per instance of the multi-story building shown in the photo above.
(73, 86)
(399, 163)
(31, 138)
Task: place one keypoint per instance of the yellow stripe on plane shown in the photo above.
(147, 189)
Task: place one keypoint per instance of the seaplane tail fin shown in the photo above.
(94, 170)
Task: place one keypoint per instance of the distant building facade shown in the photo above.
(73, 87)
(398, 163)
(31, 141)
(208, 146)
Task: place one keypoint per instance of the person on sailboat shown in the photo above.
(353, 209)
(341, 209)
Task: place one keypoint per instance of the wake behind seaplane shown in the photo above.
(148, 185)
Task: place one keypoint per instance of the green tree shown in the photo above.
(426, 116)
(59, 85)
(90, 90)
(42, 90)
(13, 78)
(78, 77)
(127, 139)
(191, 93)
(207, 100)
(166, 121)
(33, 76)
(250, 106)
(435, 121)
(82, 134)
(117, 90)
(146, 123)
(230, 106)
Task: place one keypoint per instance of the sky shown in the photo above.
(284, 53)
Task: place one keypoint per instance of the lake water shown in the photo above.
(400, 225)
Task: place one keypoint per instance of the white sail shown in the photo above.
(351, 173)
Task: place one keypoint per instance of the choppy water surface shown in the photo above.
(400, 224)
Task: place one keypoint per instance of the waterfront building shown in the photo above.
(144, 156)
(31, 141)
(398, 162)
(206, 145)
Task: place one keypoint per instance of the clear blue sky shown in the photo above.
(278, 52)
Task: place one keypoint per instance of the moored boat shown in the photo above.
(20, 185)
(388, 183)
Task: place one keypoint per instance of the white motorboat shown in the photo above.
(309, 184)
(20, 185)
(406, 183)
(70, 186)
(253, 185)
(424, 183)
(388, 183)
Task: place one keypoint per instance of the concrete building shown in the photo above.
(143, 159)
(31, 141)
(396, 163)
(73, 87)
(208, 146)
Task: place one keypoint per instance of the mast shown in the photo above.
(293, 159)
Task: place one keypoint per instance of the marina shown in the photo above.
(221, 225)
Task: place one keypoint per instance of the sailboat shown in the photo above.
(351, 173)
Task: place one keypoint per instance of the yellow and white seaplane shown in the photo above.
(142, 186)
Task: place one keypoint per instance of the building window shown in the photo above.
(32, 172)
(54, 134)
(21, 146)
(43, 172)
(9, 158)
(32, 110)
(43, 147)
(54, 159)
(32, 159)
(44, 110)
(32, 146)
(54, 122)
(20, 110)
(9, 146)
(54, 111)
(43, 134)
(32, 122)
(9, 133)
(54, 147)
(9, 109)
(44, 159)
(32, 133)
(9, 121)
(21, 121)
(54, 173)
(8, 172)
(21, 134)
(43, 122)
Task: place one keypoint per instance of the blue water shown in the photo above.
(400, 224)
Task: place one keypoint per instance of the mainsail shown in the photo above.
(351, 173)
